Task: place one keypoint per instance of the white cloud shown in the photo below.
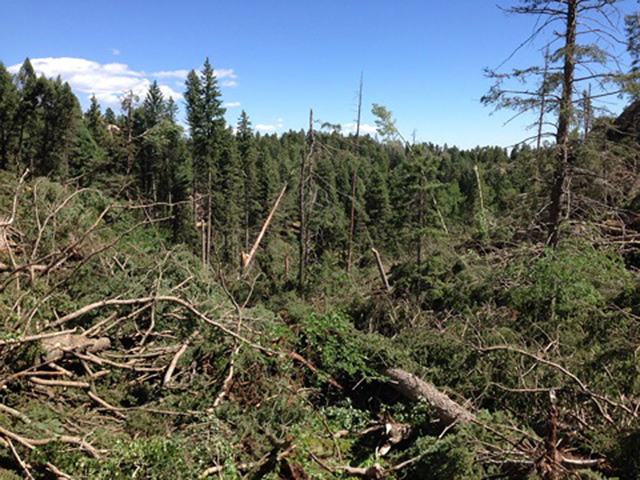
(231, 104)
(168, 92)
(364, 128)
(229, 83)
(181, 74)
(108, 81)
(266, 128)
(115, 52)
(224, 73)
(270, 128)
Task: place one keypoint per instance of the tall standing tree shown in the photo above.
(248, 159)
(9, 102)
(571, 63)
(205, 116)
(154, 106)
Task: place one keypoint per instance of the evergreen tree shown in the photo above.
(248, 160)
(205, 116)
(154, 106)
(27, 120)
(9, 104)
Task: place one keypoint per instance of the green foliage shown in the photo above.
(153, 458)
(450, 457)
(570, 282)
(330, 340)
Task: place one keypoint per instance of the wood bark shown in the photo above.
(306, 172)
(383, 275)
(246, 259)
(55, 347)
(413, 388)
(561, 182)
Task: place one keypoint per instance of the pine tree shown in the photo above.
(205, 116)
(9, 104)
(154, 106)
(26, 117)
(248, 160)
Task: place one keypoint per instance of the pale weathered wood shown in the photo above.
(383, 275)
(414, 389)
(246, 259)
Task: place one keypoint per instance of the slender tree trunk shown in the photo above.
(420, 219)
(209, 217)
(352, 219)
(481, 198)
(306, 171)
(302, 220)
(352, 216)
(560, 185)
(383, 275)
(246, 259)
(586, 95)
(359, 109)
(543, 103)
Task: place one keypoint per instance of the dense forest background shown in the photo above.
(216, 302)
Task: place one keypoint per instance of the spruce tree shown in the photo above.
(9, 103)
(248, 160)
(205, 116)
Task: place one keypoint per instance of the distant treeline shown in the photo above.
(217, 183)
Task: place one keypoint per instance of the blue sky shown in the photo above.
(421, 59)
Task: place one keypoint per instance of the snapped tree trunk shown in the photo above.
(246, 258)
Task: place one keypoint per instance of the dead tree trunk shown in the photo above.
(352, 219)
(246, 258)
(561, 182)
(352, 216)
(414, 389)
(306, 171)
(383, 275)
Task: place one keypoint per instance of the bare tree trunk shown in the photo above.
(420, 219)
(587, 112)
(383, 275)
(306, 171)
(414, 389)
(359, 108)
(209, 217)
(543, 103)
(246, 259)
(561, 182)
(481, 198)
(352, 219)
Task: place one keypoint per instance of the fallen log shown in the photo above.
(55, 347)
(413, 388)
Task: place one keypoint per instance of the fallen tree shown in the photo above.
(413, 388)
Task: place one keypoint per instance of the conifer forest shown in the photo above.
(184, 297)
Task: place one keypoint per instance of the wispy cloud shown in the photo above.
(364, 128)
(231, 104)
(115, 52)
(229, 83)
(277, 125)
(224, 73)
(109, 81)
(181, 74)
